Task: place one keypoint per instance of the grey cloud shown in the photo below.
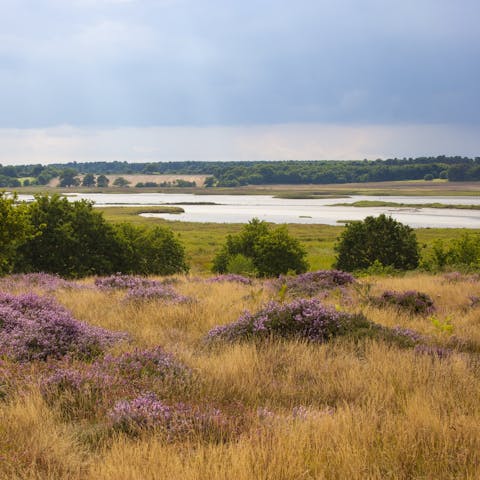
(224, 62)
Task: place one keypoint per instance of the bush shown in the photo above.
(73, 239)
(462, 253)
(380, 239)
(14, 230)
(172, 421)
(37, 328)
(307, 319)
(411, 301)
(69, 238)
(312, 283)
(272, 252)
(310, 320)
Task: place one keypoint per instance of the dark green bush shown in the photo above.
(377, 239)
(73, 239)
(271, 251)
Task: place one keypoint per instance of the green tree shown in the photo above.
(71, 239)
(88, 180)
(121, 182)
(272, 252)
(150, 250)
(68, 178)
(380, 239)
(102, 181)
(14, 230)
(278, 253)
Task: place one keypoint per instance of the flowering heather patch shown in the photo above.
(44, 281)
(231, 277)
(138, 364)
(305, 318)
(124, 282)
(311, 283)
(174, 421)
(33, 327)
(154, 293)
(84, 390)
(410, 301)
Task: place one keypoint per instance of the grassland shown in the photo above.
(370, 410)
(407, 188)
(379, 203)
(203, 240)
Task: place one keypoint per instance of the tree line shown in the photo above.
(234, 174)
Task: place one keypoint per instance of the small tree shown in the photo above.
(121, 182)
(380, 239)
(272, 252)
(88, 180)
(68, 178)
(14, 230)
(102, 181)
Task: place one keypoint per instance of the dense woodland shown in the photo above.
(234, 174)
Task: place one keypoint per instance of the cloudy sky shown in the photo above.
(154, 80)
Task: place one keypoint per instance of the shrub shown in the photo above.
(272, 252)
(44, 281)
(462, 253)
(87, 390)
(119, 281)
(312, 283)
(14, 230)
(173, 421)
(381, 239)
(154, 293)
(36, 328)
(150, 251)
(307, 319)
(411, 301)
(69, 238)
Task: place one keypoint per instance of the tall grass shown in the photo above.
(296, 410)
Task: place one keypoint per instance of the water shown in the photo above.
(242, 208)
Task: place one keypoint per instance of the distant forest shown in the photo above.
(234, 174)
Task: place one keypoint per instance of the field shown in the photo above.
(203, 240)
(408, 188)
(350, 407)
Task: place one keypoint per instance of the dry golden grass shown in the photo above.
(369, 410)
(134, 179)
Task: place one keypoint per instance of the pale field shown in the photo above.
(374, 411)
(134, 179)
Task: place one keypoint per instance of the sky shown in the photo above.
(159, 80)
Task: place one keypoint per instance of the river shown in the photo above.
(241, 208)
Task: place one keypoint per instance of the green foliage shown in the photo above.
(14, 229)
(380, 239)
(68, 178)
(271, 251)
(121, 182)
(89, 180)
(150, 251)
(241, 265)
(443, 326)
(102, 181)
(461, 253)
(73, 239)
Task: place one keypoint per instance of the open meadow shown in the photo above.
(392, 393)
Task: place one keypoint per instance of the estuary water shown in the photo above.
(242, 208)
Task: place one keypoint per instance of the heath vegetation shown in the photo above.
(249, 378)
